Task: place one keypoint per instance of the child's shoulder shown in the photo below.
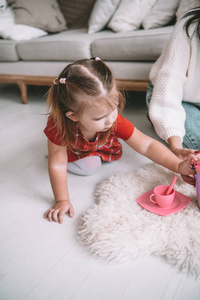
(52, 133)
(120, 118)
(124, 128)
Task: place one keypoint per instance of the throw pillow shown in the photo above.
(3, 5)
(44, 14)
(101, 14)
(6, 16)
(160, 14)
(130, 14)
(17, 32)
(186, 5)
(76, 12)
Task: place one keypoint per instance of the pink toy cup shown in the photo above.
(161, 199)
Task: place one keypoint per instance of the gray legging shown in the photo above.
(191, 139)
(85, 166)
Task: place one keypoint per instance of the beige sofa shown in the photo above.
(38, 61)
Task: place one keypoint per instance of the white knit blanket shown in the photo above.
(116, 228)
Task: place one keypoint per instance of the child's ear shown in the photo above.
(71, 115)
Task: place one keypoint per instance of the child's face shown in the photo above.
(97, 118)
(98, 115)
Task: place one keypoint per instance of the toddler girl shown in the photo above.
(84, 126)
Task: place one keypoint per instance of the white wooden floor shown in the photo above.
(41, 260)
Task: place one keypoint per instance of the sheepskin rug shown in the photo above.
(116, 228)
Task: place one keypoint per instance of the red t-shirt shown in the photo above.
(110, 150)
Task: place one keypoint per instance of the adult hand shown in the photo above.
(186, 167)
(183, 153)
(57, 212)
(175, 144)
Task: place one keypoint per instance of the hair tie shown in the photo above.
(61, 80)
(55, 81)
(97, 58)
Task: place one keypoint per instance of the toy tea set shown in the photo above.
(163, 200)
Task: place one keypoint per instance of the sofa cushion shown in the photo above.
(8, 51)
(160, 14)
(130, 14)
(45, 14)
(17, 32)
(74, 44)
(68, 45)
(76, 12)
(135, 45)
(101, 14)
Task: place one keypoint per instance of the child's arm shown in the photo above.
(160, 154)
(57, 163)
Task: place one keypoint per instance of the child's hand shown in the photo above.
(57, 212)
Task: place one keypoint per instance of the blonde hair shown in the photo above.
(87, 77)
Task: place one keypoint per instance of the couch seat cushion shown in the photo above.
(135, 45)
(8, 51)
(68, 45)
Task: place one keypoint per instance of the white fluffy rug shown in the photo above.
(116, 228)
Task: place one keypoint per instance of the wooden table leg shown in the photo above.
(23, 89)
